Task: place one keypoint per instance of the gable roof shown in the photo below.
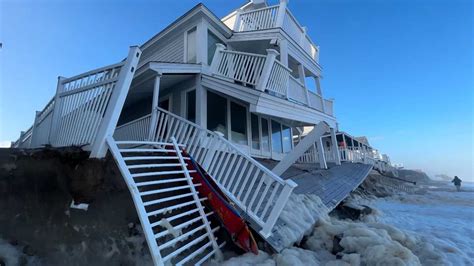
(197, 9)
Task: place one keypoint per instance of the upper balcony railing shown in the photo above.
(277, 16)
(265, 73)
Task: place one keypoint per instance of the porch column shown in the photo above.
(335, 146)
(284, 52)
(320, 92)
(154, 106)
(281, 13)
(201, 103)
(267, 68)
(322, 157)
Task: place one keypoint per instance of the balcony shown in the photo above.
(277, 16)
(265, 73)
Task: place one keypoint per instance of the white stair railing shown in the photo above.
(174, 221)
(255, 189)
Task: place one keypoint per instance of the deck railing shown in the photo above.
(265, 73)
(277, 16)
(257, 191)
(258, 19)
(85, 108)
(241, 67)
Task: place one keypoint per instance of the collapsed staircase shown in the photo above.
(175, 221)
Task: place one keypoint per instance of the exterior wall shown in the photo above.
(171, 51)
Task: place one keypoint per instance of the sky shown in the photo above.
(400, 71)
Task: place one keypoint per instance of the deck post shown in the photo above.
(322, 157)
(115, 105)
(335, 147)
(281, 13)
(237, 21)
(34, 136)
(201, 103)
(267, 68)
(217, 57)
(56, 112)
(154, 106)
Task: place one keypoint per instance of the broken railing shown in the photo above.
(255, 189)
(85, 108)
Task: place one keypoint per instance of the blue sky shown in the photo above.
(401, 71)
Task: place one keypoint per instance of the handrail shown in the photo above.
(254, 188)
(266, 170)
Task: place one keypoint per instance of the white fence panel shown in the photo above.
(315, 101)
(240, 66)
(278, 80)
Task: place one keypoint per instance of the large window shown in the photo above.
(191, 46)
(216, 113)
(238, 118)
(276, 137)
(265, 135)
(286, 134)
(212, 40)
(255, 132)
(191, 105)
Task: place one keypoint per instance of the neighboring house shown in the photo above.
(229, 91)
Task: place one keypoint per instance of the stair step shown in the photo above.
(161, 173)
(201, 261)
(137, 158)
(188, 245)
(177, 216)
(163, 190)
(174, 207)
(146, 150)
(183, 225)
(148, 203)
(157, 182)
(138, 166)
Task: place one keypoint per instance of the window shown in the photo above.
(216, 113)
(191, 106)
(276, 137)
(212, 40)
(265, 136)
(238, 119)
(255, 132)
(191, 46)
(286, 134)
(164, 104)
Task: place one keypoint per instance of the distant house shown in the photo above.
(232, 92)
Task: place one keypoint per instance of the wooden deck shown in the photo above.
(332, 185)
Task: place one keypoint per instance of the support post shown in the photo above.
(335, 146)
(320, 92)
(217, 57)
(322, 157)
(34, 136)
(154, 107)
(53, 132)
(284, 52)
(267, 68)
(313, 137)
(117, 99)
(281, 13)
(201, 103)
(237, 21)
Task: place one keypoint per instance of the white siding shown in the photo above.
(170, 51)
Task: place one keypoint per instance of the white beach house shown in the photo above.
(232, 92)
